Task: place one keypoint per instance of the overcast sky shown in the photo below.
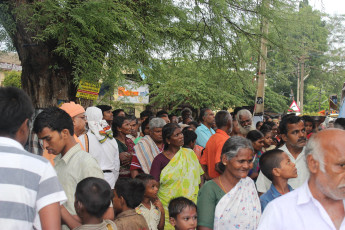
(329, 6)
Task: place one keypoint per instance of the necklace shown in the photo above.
(220, 182)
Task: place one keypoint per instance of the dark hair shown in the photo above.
(194, 123)
(144, 124)
(55, 119)
(265, 129)
(104, 107)
(15, 107)
(177, 205)
(292, 119)
(168, 131)
(189, 136)
(161, 113)
(306, 118)
(339, 123)
(117, 111)
(117, 123)
(270, 124)
(254, 135)
(270, 160)
(132, 118)
(185, 112)
(202, 114)
(132, 191)
(95, 194)
(222, 118)
(258, 123)
(145, 178)
(146, 113)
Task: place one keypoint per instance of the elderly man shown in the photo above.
(245, 121)
(319, 202)
(215, 144)
(205, 131)
(294, 135)
(148, 148)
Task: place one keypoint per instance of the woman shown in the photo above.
(257, 139)
(230, 201)
(121, 128)
(176, 168)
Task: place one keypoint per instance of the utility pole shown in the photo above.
(298, 82)
(260, 93)
(301, 84)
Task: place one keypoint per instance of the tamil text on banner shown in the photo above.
(88, 90)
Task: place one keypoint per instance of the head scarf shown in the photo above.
(97, 125)
(72, 108)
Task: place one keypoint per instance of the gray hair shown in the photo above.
(314, 148)
(243, 112)
(156, 123)
(234, 144)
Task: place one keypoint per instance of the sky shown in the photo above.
(329, 6)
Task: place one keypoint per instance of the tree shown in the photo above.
(12, 78)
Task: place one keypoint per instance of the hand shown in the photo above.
(125, 158)
(159, 205)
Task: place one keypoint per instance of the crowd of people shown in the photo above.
(104, 169)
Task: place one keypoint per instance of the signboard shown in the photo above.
(88, 90)
(294, 107)
(130, 93)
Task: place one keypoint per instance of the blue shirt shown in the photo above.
(204, 134)
(270, 195)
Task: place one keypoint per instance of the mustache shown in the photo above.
(302, 139)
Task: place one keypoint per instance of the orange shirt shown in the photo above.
(213, 151)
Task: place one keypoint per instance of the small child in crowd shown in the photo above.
(276, 166)
(182, 214)
(92, 199)
(151, 208)
(128, 194)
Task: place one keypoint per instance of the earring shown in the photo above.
(224, 163)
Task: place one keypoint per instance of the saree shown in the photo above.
(238, 209)
(181, 177)
(146, 150)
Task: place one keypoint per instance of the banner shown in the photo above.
(130, 93)
(88, 90)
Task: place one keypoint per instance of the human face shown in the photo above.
(174, 119)
(117, 203)
(126, 127)
(287, 168)
(151, 189)
(275, 131)
(258, 144)
(79, 122)
(239, 166)
(52, 141)
(209, 117)
(165, 117)
(108, 116)
(147, 129)
(245, 121)
(156, 135)
(186, 220)
(121, 114)
(235, 127)
(296, 135)
(268, 139)
(176, 138)
(308, 127)
(134, 127)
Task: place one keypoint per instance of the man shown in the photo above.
(319, 202)
(245, 121)
(293, 133)
(54, 128)
(148, 148)
(119, 112)
(214, 146)
(205, 131)
(134, 128)
(164, 115)
(30, 190)
(107, 113)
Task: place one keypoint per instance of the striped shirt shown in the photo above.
(28, 183)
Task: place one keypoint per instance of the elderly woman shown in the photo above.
(176, 168)
(121, 128)
(230, 201)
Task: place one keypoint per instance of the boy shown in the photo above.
(151, 208)
(128, 194)
(182, 213)
(92, 199)
(276, 166)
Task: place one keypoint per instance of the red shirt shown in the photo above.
(213, 151)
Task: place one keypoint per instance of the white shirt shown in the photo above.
(297, 210)
(263, 184)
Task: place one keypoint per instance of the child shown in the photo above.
(276, 166)
(309, 125)
(257, 139)
(128, 194)
(151, 208)
(268, 141)
(182, 213)
(92, 199)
